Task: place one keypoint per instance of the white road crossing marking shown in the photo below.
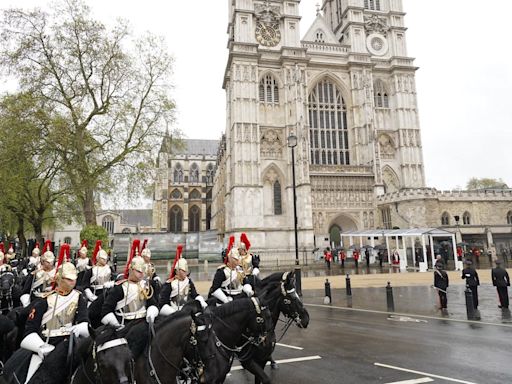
(414, 381)
(290, 346)
(423, 373)
(406, 319)
(283, 361)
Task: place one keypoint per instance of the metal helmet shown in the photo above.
(182, 264)
(48, 256)
(36, 252)
(234, 253)
(138, 264)
(146, 252)
(102, 254)
(67, 271)
(83, 251)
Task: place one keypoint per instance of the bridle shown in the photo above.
(287, 300)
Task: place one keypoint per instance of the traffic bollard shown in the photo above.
(298, 281)
(328, 296)
(389, 297)
(349, 288)
(115, 262)
(470, 308)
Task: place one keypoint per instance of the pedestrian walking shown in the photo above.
(501, 281)
(380, 255)
(441, 284)
(367, 256)
(472, 281)
(355, 253)
(343, 256)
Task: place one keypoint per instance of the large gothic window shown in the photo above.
(380, 95)
(194, 219)
(176, 194)
(372, 4)
(194, 174)
(175, 220)
(194, 195)
(328, 134)
(269, 90)
(278, 207)
(445, 219)
(178, 173)
(108, 224)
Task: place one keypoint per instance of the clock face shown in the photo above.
(268, 34)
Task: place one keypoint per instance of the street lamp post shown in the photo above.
(292, 143)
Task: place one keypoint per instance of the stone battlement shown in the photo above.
(456, 195)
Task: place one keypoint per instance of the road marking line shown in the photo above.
(423, 373)
(283, 361)
(290, 346)
(409, 314)
(414, 381)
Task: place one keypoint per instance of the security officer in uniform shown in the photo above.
(501, 281)
(53, 317)
(178, 290)
(229, 281)
(41, 279)
(472, 281)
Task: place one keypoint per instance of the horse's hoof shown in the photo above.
(273, 365)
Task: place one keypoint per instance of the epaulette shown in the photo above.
(121, 281)
(221, 266)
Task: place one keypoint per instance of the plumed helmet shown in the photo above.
(10, 253)
(67, 271)
(182, 264)
(83, 249)
(138, 264)
(48, 256)
(146, 252)
(2, 256)
(234, 254)
(102, 254)
(36, 251)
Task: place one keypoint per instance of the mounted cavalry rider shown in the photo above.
(4, 261)
(249, 262)
(230, 281)
(179, 288)
(33, 261)
(54, 316)
(41, 278)
(99, 277)
(149, 268)
(132, 298)
(82, 263)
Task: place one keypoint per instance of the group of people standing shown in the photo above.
(500, 279)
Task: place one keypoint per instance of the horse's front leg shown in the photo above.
(257, 370)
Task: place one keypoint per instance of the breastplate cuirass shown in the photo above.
(64, 317)
(82, 264)
(247, 264)
(139, 301)
(100, 275)
(42, 281)
(149, 270)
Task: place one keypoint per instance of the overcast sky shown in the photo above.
(464, 83)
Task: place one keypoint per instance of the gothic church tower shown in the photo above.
(346, 90)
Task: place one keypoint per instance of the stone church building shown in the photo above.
(345, 90)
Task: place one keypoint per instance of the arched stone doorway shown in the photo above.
(340, 223)
(334, 235)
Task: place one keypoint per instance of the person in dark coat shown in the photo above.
(441, 284)
(367, 256)
(472, 281)
(501, 281)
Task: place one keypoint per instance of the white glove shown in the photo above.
(248, 290)
(167, 310)
(220, 295)
(32, 342)
(81, 329)
(109, 284)
(91, 296)
(230, 299)
(157, 279)
(200, 298)
(151, 314)
(110, 319)
(255, 271)
(25, 300)
(24, 272)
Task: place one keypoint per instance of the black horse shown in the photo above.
(239, 327)
(9, 292)
(278, 292)
(105, 358)
(180, 348)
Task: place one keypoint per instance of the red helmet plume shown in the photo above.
(84, 243)
(134, 250)
(179, 250)
(47, 246)
(144, 243)
(230, 245)
(245, 240)
(2, 247)
(37, 245)
(97, 248)
(64, 256)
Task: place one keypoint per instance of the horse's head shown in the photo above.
(112, 356)
(291, 305)
(6, 282)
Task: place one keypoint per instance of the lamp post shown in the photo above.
(292, 143)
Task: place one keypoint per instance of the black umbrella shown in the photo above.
(463, 244)
(381, 246)
(353, 247)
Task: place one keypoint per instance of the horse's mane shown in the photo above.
(190, 308)
(232, 307)
(273, 278)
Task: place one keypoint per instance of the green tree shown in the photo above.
(485, 183)
(111, 91)
(31, 184)
(91, 233)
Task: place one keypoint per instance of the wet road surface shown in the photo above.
(344, 345)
